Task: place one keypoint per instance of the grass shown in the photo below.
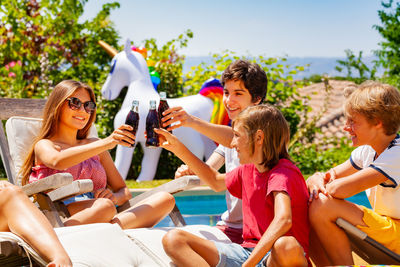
(132, 184)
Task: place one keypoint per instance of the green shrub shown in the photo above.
(311, 157)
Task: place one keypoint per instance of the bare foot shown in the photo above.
(63, 262)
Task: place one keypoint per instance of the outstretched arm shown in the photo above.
(221, 134)
(215, 161)
(20, 216)
(49, 154)
(206, 173)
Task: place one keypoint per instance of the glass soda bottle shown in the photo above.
(152, 121)
(163, 106)
(133, 116)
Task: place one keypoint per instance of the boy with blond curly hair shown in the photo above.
(373, 122)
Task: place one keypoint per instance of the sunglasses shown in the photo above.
(75, 104)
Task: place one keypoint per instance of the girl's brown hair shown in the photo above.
(275, 128)
(51, 116)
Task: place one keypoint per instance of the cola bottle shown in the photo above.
(163, 106)
(133, 117)
(152, 121)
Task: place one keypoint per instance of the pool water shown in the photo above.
(207, 209)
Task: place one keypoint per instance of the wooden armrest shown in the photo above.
(10, 248)
(77, 187)
(172, 187)
(49, 183)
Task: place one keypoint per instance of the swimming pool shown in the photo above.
(207, 208)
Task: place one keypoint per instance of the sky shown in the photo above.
(294, 28)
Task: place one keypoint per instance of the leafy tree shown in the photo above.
(50, 45)
(169, 62)
(354, 62)
(389, 54)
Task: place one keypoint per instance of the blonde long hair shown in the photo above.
(51, 116)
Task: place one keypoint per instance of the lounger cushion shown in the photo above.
(101, 245)
(150, 240)
(106, 245)
(26, 129)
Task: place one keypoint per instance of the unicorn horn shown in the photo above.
(109, 49)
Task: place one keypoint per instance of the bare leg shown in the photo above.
(186, 249)
(99, 210)
(323, 214)
(287, 251)
(147, 212)
(317, 251)
(20, 216)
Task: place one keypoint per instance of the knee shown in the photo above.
(172, 240)
(105, 207)
(167, 200)
(319, 208)
(289, 252)
(9, 192)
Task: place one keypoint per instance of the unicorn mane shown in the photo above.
(214, 90)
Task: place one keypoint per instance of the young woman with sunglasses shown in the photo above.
(63, 146)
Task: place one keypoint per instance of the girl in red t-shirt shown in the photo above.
(273, 191)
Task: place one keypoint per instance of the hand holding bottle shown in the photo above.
(121, 136)
(169, 141)
(132, 118)
(178, 116)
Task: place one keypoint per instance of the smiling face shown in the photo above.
(240, 142)
(362, 132)
(236, 98)
(78, 118)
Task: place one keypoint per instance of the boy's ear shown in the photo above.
(259, 137)
(378, 124)
(258, 101)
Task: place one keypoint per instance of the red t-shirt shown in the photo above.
(256, 191)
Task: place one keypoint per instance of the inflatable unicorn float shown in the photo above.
(129, 68)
